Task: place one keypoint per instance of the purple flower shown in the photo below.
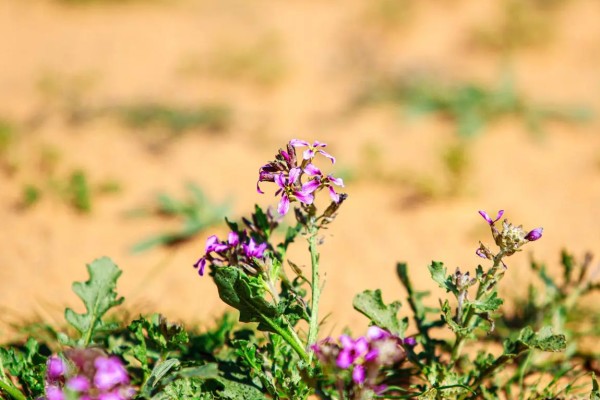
(323, 181)
(351, 350)
(55, 368)
(109, 373)
(409, 341)
(79, 383)
(534, 234)
(376, 333)
(488, 219)
(358, 374)
(54, 393)
(252, 250)
(288, 188)
(309, 153)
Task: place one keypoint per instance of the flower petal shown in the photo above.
(308, 154)
(311, 170)
(334, 196)
(311, 186)
(284, 204)
(294, 175)
(344, 359)
(299, 143)
(534, 234)
(326, 154)
(358, 374)
(304, 197)
(335, 181)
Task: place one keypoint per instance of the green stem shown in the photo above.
(483, 286)
(12, 391)
(290, 336)
(315, 288)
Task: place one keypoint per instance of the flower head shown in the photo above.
(316, 147)
(90, 375)
(534, 234)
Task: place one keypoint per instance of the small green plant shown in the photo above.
(174, 120)
(469, 106)
(196, 214)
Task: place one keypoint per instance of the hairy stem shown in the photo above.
(481, 291)
(315, 288)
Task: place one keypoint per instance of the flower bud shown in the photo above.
(534, 234)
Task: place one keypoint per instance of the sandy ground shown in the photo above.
(319, 54)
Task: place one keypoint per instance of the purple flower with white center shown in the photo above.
(110, 372)
(351, 350)
(489, 219)
(316, 147)
(534, 234)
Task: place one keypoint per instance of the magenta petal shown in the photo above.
(299, 143)
(319, 144)
(335, 181)
(78, 384)
(346, 341)
(372, 355)
(358, 374)
(201, 265)
(233, 238)
(361, 346)
(334, 196)
(308, 154)
(211, 242)
(311, 186)
(326, 154)
(486, 217)
(55, 368)
(294, 175)
(280, 180)
(480, 253)
(304, 197)
(258, 188)
(344, 359)
(499, 215)
(376, 333)
(534, 234)
(54, 393)
(311, 170)
(284, 205)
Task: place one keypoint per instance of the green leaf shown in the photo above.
(160, 370)
(245, 294)
(543, 340)
(438, 274)
(370, 304)
(492, 303)
(98, 294)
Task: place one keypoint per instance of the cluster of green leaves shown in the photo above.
(470, 106)
(196, 213)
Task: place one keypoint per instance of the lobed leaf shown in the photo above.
(370, 304)
(98, 295)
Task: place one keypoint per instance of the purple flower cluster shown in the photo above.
(287, 172)
(364, 356)
(87, 374)
(510, 239)
(240, 250)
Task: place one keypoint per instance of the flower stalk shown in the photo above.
(315, 288)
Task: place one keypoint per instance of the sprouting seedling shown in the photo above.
(196, 214)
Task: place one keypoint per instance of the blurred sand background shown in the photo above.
(284, 70)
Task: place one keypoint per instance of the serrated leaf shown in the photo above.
(449, 319)
(438, 274)
(543, 340)
(98, 295)
(492, 303)
(370, 304)
(233, 390)
(240, 292)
